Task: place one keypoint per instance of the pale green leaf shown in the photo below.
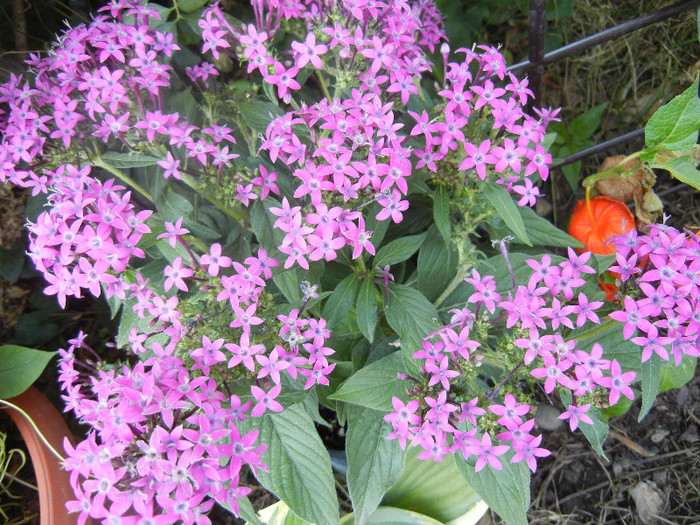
(393, 516)
(436, 489)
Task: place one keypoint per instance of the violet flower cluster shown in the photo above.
(448, 415)
(659, 283)
(164, 443)
(658, 298)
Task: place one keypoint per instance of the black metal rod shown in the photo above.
(538, 26)
(608, 34)
(579, 155)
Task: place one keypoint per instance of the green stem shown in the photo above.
(451, 287)
(123, 177)
(615, 170)
(324, 88)
(36, 429)
(190, 181)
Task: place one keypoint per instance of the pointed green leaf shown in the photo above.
(374, 462)
(398, 250)
(506, 491)
(128, 160)
(366, 309)
(393, 516)
(651, 382)
(674, 126)
(441, 212)
(245, 511)
(340, 302)
(19, 368)
(608, 334)
(288, 283)
(410, 314)
(259, 115)
(675, 376)
(585, 124)
(375, 385)
(300, 467)
(595, 433)
(682, 168)
(543, 233)
(437, 265)
(189, 6)
(262, 222)
(506, 208)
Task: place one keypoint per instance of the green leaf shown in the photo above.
(300, 467)
(436, 489)
(437, 265)
(398, 250)
(130, 319)
(682, 168)
(393, 516)
(543, 233)
(378, 228)
(128, 160)
(674, 126)
(595, 433)
(12, 260)
(245, 511)
(288, 283)
(410, 314)
(608, 334)
(189, 6)
(340, 302)
(651, 381)
(280, 514)
(504, 205)
(262, 222)
(675, 376)
(497, 267)
(585, 124)
(19, 368)
(506, 491)
(441, 212)
(375, 385)
(259, 114)
(173, 206)
(374, 462)
(366, 309)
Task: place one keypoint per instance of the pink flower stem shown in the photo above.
(195, 262)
